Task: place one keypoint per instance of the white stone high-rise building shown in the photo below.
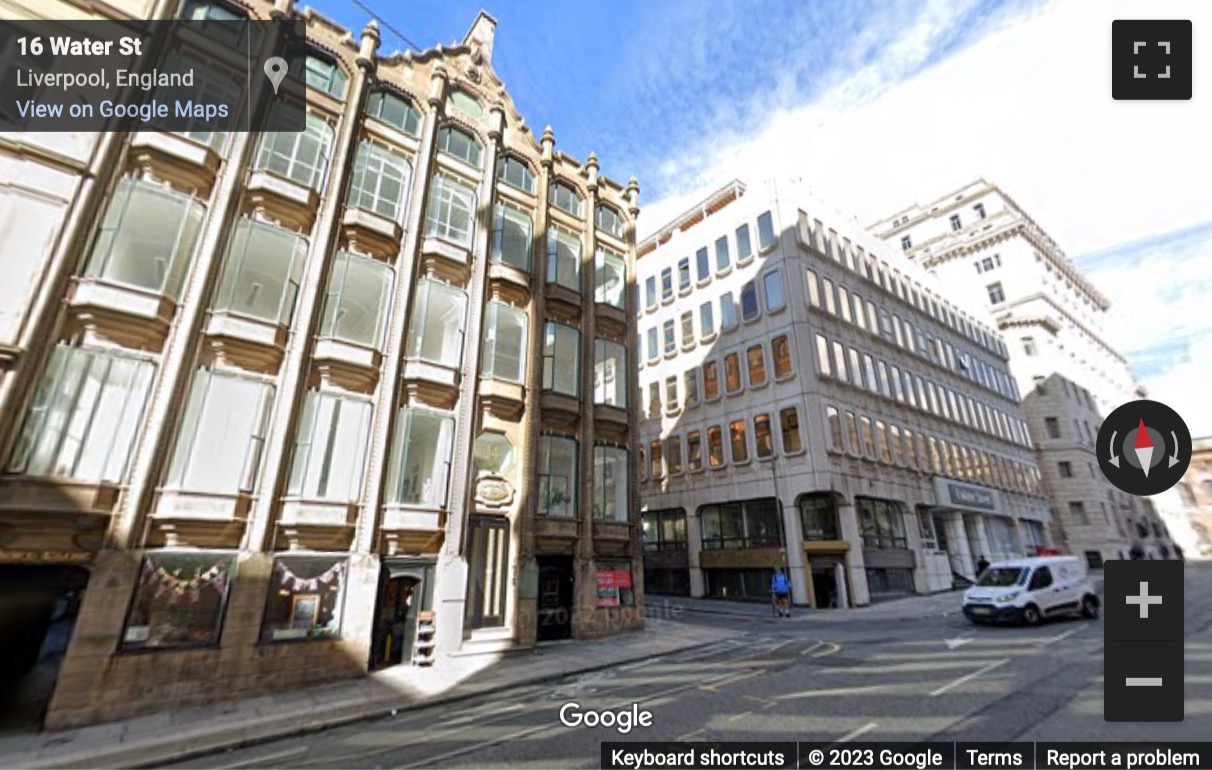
(980, 243)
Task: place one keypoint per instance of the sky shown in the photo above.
(879, 104)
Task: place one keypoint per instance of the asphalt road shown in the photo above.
(861, 680)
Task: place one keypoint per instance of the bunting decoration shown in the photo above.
(290, 580)
(179, 585)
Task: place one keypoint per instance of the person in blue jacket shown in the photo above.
(780, 586)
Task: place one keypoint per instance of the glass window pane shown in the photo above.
(380, 181)
(439, 315)
(744, 249)
(564, 258)
(261, 272)
(359, 295)
(756, 358)
(739, 441)
(420, 465)
(451, 211)
(610, 374)
(561, 359)
(763, 437)
(179, 600)
(749, 302)
(774, 291)
(218, 450)
(305, 598)
(300, 156)
(514, 172)
(147, 237)
(511, 236)
(557, 476)
(789, 424)
(330, 448)
(610, 282)
(461, 145)
(505, 342)
(396, 111)
(85, 416)
(610, 491)
(566, 199)
(766, 236)
(722, 257)
(727, 312)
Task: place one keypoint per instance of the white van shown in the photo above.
(1029, 590)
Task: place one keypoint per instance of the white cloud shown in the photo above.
(1028, 107)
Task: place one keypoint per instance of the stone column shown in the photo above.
(848, 519)
(957, 536)
(584, 615)
(388, 397)
(292, 380)
(450, 595)
(694, 545)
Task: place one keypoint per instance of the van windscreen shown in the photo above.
(1000, 577)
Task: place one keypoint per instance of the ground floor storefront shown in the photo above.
(132, 631)
(839, 552)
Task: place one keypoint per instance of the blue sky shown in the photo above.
(633, 81)
(879, 104)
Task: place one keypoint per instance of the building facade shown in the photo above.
(1195, 492)
(811, 399)
(980, 243)
(280, 409)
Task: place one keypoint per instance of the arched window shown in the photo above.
(608, 220)
(465, 102)
(325, 75)
(459, 144)
(515, 173)
(565, 198)
(394, 110)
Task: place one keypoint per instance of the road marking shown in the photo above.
(852, 735)
(476, 717)
(833, 648)
(845, 691)
(433, 760)
(688, 736)
(267, 758)
(958, 641)
(712, 685)
(816, 646)
(735, 717)
(1058, 637)
(969, 677)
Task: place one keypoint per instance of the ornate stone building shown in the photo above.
(278, 409)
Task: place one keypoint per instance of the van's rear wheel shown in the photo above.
(1090, 608)
(1031, 615)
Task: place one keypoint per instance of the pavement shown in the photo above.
(175, 735)
(908, 608)
(925, 679)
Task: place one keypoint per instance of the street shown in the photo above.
(935, 678)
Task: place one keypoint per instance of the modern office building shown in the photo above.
(812, 399)
(280, 409)
(980, 243)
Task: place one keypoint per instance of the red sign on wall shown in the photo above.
(609, 583)
(614, 578)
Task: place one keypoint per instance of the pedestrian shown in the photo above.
(982, 564)
(780, 586)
